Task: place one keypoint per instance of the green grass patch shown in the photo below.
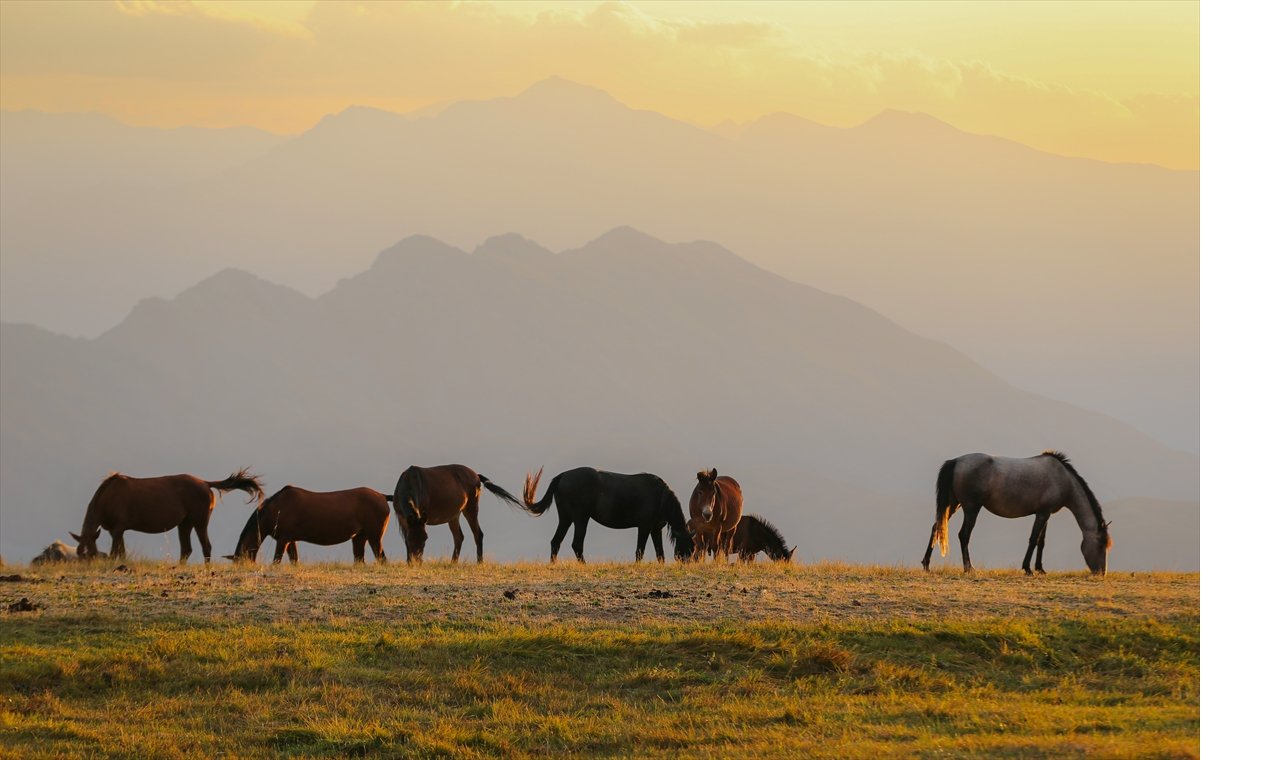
(1079, 685)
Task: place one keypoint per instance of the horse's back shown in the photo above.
(152, 505)
(1012, 486)
(328, 517)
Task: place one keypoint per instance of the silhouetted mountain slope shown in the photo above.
(1074, 278)
(627, 353)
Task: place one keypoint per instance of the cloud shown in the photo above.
(253, 64)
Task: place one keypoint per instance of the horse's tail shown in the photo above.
(241, 480)
(945, 497)
(499, 491)
(531, 490)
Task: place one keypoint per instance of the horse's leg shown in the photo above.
(375, 544)
(456, 528)
(558, 538)
(293, 552)
(579, 537)
(966, 529)
(1040, 545)
(472, 513)
(656, 535)
(714, 542)
(357, 549)
(928, 551)
(727, 539)
(117, 544)
(280, 545)
(1036, 529)
(202, 533)
(184, 543)
(642, 539)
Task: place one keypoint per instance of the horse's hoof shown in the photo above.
(1040, 571)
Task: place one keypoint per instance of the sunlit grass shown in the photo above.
(435, 661)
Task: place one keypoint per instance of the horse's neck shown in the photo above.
(1083, 511)
(92, 518)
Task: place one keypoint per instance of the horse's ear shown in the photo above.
(1108, 524)
(74, 536)
(97, 533)
(713, 475)
(792, 553)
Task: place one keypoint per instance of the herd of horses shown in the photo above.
(445, 495)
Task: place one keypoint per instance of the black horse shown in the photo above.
(640, 501)
(756, 534)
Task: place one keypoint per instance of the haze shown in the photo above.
(821, 247)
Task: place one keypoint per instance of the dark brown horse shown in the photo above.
(756, 534)
(641, 501)
(157, 505)
(715, 507)
(438, 495)
(292, 514)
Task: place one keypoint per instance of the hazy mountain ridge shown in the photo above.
(626, 353)
(1074, 278)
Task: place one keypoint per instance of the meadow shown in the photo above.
(528, 659)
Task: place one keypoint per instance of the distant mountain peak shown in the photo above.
(917, 121)
(511, 245)
(415, 248)
(624, 239)
(560, 89)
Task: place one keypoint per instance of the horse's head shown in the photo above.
(87, 544)
(702, 503)
(415, 538)
(683, 546)
(1094, 547)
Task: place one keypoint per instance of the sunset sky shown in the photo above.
(1115, 81)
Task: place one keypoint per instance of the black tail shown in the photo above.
(945, 498)
(243, 480)
(531, 489)
(499, 491)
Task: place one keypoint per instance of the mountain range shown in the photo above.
(627, 353)
(1070, 278)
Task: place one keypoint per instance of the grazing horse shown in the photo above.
(157, 505)
(716, 508)
(1011, 487)
(756, 534)
(644, 502)
(292, 514)
(437, 495)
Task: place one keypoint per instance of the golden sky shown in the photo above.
(1116, 81)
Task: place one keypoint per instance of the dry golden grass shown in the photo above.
(437, 660)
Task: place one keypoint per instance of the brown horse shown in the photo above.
(157, 505)
(292, 514)
(716, 508)
(438, 495)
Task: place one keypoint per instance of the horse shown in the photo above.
(157, 505)
(643, 501)
(437, 495)
(54, 553)
(292, 514)
(1011, 487)
(716, 507)
(756, 534)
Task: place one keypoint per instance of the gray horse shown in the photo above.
(1012, 487)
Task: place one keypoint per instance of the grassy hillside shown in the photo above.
(521, 660)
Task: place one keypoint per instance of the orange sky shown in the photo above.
(1116, 81)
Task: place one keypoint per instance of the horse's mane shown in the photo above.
(675, 512)
(704, 475)
(1088, 492)
(773, 532)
